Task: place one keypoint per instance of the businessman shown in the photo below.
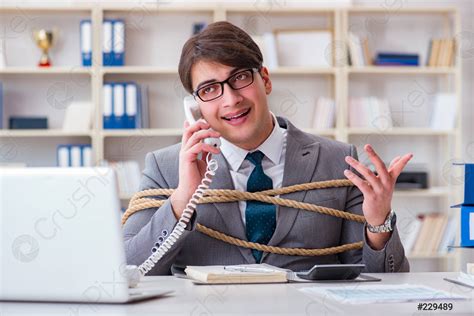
(223, 68)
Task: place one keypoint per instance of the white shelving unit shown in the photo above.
(154, 37)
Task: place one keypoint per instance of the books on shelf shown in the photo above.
(370, 112)
(74, 155)
(444, 112)
(441, 52)
(304, 48)
(125, 105)
(431, 234)
(359, 52)
(128, 176)
(78, 117)
(396, 59)
(324, 113)
(113, 42)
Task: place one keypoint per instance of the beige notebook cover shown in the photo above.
(246, 273)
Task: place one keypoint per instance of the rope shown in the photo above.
(141, 201)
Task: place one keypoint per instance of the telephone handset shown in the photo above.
(191, 110)
(192, 114)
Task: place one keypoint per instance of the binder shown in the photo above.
(118, 48)
(144, 112)
(76, 156)
(86, 156)
(107, 42)
(86, 42)
(118, 105)
(107, 110)
(63, 158)
(131, 106)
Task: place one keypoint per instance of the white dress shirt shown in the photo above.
(273, 163)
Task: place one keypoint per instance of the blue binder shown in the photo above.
(118, 105)
(86, 42)
(467, 207)
(108, 109)
(107, 42)
(131, 105)
(64, 155)
(118, 47)
(113, 45)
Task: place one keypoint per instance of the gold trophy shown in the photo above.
(45, 40)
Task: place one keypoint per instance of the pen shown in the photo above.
(247, 269)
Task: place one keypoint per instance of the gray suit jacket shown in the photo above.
(309, 158)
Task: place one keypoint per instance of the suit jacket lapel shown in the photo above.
(300, 162)
(229, 211)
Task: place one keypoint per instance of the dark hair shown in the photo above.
(220, 42)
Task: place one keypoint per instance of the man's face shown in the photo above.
(240, 116)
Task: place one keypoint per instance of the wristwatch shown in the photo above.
(386, 227)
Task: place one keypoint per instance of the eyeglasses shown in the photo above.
(237, 81)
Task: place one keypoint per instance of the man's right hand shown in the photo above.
(192, 169)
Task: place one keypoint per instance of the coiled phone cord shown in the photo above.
(185, 218)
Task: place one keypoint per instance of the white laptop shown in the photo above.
(61, 237)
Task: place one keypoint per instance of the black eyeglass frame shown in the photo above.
(221, 83)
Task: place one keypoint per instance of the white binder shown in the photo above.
(75, 156)
(119, 37)
(63, 156)
(118, 105)
(86, 42)
(107, 110)
(87, 156)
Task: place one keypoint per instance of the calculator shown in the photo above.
(332, 272)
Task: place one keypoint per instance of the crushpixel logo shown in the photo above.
(25, 248)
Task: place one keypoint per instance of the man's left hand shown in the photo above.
(377, 189)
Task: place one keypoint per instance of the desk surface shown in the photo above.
(274, 299)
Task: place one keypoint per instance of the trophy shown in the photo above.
(45, 40)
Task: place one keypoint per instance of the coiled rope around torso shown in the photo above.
(141, 201)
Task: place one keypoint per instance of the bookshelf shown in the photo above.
(154, 36)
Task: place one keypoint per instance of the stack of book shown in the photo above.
(74, 155)
(324, 113)
(370, 112)
(441, 52)
(113, 42)
(125, 105)
(359, 53)
(431, 234)
(128, 177)
(397, 59)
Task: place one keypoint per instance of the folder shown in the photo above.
(86, 42)
(63, 159)
(131, 106)
(118, 47)
(107, 110)
(118, 105)
(86, 156)
(76, 153)
(107, 42)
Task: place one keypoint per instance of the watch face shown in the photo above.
(393, 220)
